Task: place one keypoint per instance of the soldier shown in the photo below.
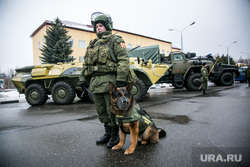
(247, 75)
(204, 78)
(106, 60)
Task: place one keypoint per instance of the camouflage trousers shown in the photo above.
(204, 86)
(102, 104)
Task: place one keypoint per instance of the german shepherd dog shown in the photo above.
(129, 116)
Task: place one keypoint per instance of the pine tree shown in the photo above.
(223, 59)
(57, 46)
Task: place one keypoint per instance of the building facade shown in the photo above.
(81, 34)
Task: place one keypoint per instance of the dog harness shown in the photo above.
(136, 114)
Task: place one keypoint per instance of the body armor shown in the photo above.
(136, 114)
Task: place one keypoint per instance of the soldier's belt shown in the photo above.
(100, 69)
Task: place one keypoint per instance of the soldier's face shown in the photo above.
(100, 28)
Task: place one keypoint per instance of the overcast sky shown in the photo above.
(217, 22)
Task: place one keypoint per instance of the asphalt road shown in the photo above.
(197, 126)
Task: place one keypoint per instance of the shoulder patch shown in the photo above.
(123, 45)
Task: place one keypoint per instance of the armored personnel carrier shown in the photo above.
(39, 81)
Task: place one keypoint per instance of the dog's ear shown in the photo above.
(112, 88)
(130, 87)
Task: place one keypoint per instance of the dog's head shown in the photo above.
(121, 99)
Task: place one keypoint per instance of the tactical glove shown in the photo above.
(80, 84)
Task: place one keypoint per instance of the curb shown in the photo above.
(9, 101)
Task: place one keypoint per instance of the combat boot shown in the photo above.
(114, 140)
(204, 92)
(106, 137)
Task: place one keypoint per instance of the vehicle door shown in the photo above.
(179, 65)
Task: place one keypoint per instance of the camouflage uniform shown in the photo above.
(204, 79)
(101, 68)
(247, 75)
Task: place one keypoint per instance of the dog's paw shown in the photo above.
(116, 147)
(128, 152)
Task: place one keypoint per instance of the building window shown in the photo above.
(72, 42)
(42, 41)
(130, 45)
(81, 58)
(163, 51)
(38, 45)
(81, 44)
(39, 61)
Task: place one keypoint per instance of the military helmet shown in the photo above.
(104, 18)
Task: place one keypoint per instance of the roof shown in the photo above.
(174, 47)
(85, 27)
(68, 24)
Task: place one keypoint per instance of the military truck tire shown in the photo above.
(63, 93)
(139, 90)
(178, 85)
(193, 81)
(36, 94)
(226, 79)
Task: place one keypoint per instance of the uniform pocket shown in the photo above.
(103, 55)
(91, 55)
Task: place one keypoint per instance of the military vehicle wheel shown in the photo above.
(139, 90)
(36, 94)
(178, 85)
(63, 93)
(193, 81)
(226, 79)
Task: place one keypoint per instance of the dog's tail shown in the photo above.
(162, 133)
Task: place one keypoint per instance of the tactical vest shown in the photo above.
(136, 114)
(98, 59)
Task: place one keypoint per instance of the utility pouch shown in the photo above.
(103, 54)
(202, 79)
(91, 55)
